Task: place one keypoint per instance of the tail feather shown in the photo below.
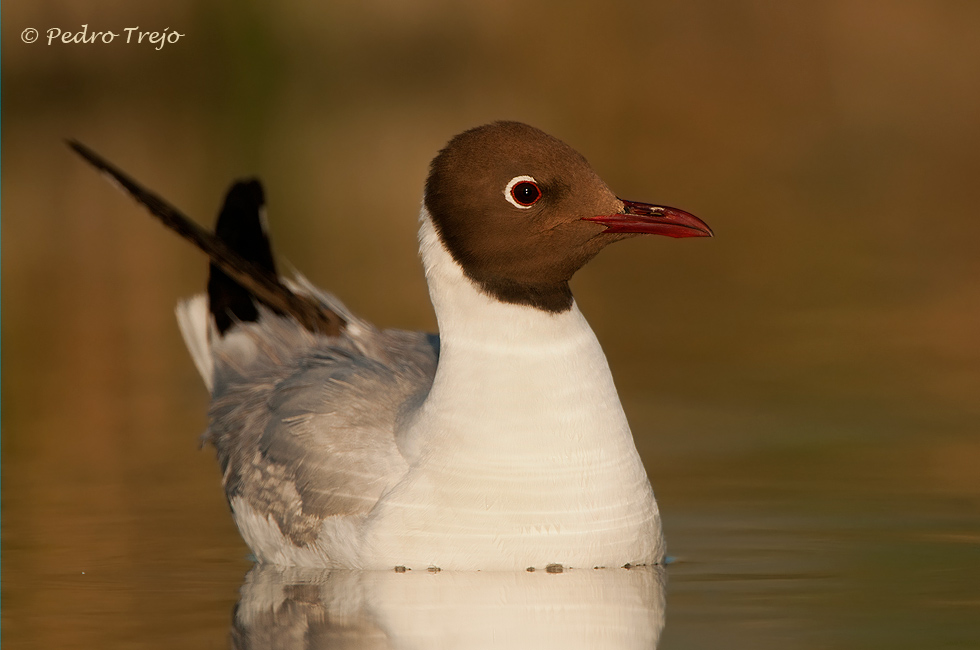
(192, 318)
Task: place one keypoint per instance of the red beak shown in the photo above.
(654, 220)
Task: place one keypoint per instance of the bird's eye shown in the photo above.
(522, 192)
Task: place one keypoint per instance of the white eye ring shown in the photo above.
(509, 191)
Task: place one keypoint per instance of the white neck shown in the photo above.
(520, 455)
(510, 376)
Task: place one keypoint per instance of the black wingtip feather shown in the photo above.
(240, 227)
(258, 279)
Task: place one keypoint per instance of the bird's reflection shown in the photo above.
(577, 608)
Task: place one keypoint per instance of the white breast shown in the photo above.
(521, 455)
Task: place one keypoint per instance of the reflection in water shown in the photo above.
(579, 608)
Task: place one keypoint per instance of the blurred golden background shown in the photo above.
(817, 361)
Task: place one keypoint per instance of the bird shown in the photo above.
(499, 443)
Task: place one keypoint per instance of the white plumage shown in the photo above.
(519, 455)
(500, 444)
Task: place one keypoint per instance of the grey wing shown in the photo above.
(306, 428)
